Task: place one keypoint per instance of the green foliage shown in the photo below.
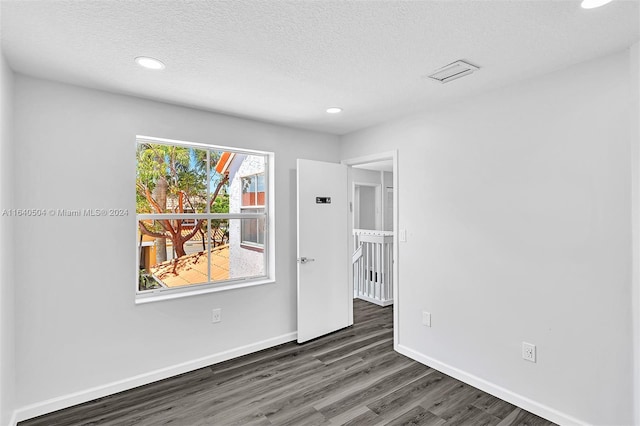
(146, 282)
(142, 204)
(185, 171)
(221, 204)
(176, 179)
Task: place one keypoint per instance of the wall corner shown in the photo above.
(7, 291)
(634, 63)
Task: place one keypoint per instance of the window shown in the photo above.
(253, 197)
(252, 231)
(202, 216)
(253, 190)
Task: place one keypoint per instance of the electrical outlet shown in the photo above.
(426, 319)
(529, 351)
(217, 315)
(403, 235)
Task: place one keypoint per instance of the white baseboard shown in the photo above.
(65, 401)
(493, 389)
(376, 301)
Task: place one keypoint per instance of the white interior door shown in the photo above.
(325, 298)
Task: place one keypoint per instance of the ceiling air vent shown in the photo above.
(452, 71)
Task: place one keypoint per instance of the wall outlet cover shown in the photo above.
(426, 318)
(529, 351)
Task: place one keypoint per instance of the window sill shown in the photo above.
(170, 295)
(252, 247)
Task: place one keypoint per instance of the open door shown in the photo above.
(324, 295)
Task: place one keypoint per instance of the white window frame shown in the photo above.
(268, 248)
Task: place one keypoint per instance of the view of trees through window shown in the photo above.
(191, 220)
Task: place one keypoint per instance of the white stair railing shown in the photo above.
(373, 266)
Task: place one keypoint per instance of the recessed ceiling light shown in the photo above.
(149, 63)
(592, 4)
(334, 110)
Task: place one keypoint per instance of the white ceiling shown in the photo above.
(378, 166)
(287, 61)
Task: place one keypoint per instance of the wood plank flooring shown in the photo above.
(351, 377)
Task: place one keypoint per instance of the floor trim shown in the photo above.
(65, 401)
(382, 303)
(493, 389)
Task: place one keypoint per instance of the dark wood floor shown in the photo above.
(351, 377)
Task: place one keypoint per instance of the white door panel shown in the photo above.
(324, 295)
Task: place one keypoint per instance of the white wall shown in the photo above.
(520, 231)
(365, 176)
(77, 327)
(368, 209)
(7, 331)
(635, 218)
(387, 201)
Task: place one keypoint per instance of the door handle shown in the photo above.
(304, 260)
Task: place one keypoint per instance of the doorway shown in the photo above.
(373, 182)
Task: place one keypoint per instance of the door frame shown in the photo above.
(393, 156)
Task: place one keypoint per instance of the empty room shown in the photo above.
(320, 212)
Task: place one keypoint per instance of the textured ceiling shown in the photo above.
(287, 61)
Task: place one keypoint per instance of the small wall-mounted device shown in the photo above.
(323, 200)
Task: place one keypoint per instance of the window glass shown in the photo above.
(194, 227)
